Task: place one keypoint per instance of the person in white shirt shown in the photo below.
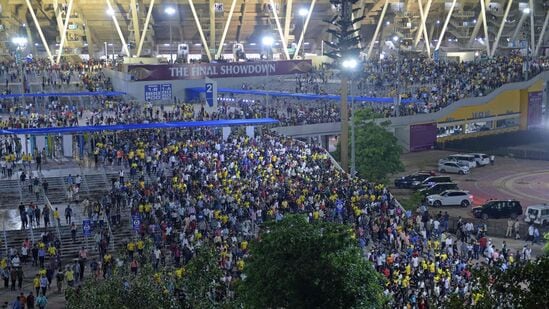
(16, 261)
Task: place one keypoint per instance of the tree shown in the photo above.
(546, 246)
(296, 264)
(124, 290)
(523, 285)
(343, 47)
(377, 150)
(193, 286)
(202, 280)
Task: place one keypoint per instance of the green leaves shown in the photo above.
(521, 286)
(150, 289)
(308, 265)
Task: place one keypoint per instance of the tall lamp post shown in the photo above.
(170, 11)
(303, 13)
(349, 66)
(396, 41)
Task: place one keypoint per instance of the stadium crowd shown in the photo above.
(191, 188)
(429, 86)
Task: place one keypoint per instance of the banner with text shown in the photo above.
(535, 113)
(152, 72)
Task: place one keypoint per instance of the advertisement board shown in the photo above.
(156, 72)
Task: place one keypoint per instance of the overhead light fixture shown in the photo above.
(170, 10)
(267, 40)
(349, 64)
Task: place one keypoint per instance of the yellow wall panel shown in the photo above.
(512, 101)
(505, 103)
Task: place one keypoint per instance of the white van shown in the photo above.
(538, 214)
(482, 159)
(463, 159)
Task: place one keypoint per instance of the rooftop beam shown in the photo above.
(284, 46)
(37, 25)
(378, 27)
(124, 45)
(224, 34)
(199, 27)
(422, 28)
(501, 26)
(485, 26)
(64, 33)
(305, 26)
(445, 25)
(135, 21)
(145, 27)
(540, 39)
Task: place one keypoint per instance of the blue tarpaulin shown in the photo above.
(63, 94)
(303, 96)
(142, 126)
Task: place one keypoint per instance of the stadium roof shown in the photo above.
(92, 25)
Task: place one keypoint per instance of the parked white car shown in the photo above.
(538, 214)
(482, 159)
(453, 167)
(450, 198)
(463, 159)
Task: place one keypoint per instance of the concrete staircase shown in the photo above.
(69, 249)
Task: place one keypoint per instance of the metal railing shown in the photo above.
(5, 237)
(56, 222)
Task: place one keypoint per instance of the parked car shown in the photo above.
(481, 159)
(450, 198)
(538, 214)
(409, 181)
(453, 167)
(464, 159)
(498, 209)
(438, 188)
(429, 181)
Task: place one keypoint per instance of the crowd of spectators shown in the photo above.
(192, 188)
(430, 86)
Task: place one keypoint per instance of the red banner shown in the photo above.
(154, 72)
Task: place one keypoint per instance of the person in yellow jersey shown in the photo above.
(130, 247)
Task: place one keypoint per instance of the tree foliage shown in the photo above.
(377, 150)
(521, 286)
(124, 290)
(195, 287)
(297, 264)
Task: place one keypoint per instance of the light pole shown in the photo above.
(303, 13)
(397, 46)
(267, 42)
(170, 11)
(349, 66)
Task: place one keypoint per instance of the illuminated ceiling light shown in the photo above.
(267, 40)
(170, 10)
